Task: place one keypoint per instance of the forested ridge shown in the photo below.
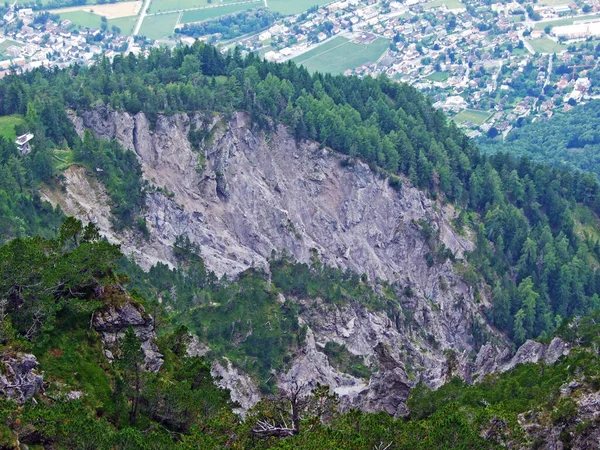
(536, 257)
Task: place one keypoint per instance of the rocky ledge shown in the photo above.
(113, 321)
(19, 381)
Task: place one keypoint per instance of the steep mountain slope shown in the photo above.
(261, 193)
(327, 271)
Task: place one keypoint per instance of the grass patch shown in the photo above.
(290, 7)
(8, 43)
(566, 21)
(125, 24)
(91, 20)
(471, 115)
(586, 223)
(7, 126)
(211, 13)
(73, 355)
(83, 19)
(340, 358)
(339, 55)
(180, 5)
(63, 159)
(159, 27)
(545, 45)
(438, 76)
(175, 5)
(59, 4)
(450, 4)
(553, 2)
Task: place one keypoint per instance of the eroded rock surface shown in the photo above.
(113, 322)
(493, 359)
(19, 379)
(262, 192)
(243, 389)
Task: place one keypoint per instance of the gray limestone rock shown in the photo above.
(19, 380)
(112, 323)
(256, 194)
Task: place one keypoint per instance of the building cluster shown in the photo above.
(502, 62)
(29, 42)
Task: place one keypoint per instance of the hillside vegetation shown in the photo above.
(568, 139)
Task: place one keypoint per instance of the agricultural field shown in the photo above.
(553, 2)
(110, 11)
(545, 45)
(160, 26)
(566, 21)
(7, 126)
(179, 5)
(450, 4)
(438, 76)
(471, 115)
(66, 3)
(211, 13)
(339, 55)
(289, 7)
(90, 20)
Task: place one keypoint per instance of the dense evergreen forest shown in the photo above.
(569, 139)
(536, 256)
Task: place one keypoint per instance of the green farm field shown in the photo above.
(438, 76)
(339, 55)
(288, 7)
(471, 115)
(90, 20)
(545, 45)
(66, 4)
(566, 21)
(178, 5)
(211, 13)
(160, 26)
(450, 4)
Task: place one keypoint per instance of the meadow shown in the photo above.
(340, 54)
(7, 126)
(471, 115)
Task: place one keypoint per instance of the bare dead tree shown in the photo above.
(294, 405)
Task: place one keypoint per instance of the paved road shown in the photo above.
(138, 25)
(526, 43)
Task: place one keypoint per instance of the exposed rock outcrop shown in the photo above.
(491, 359)
(261, 192)
(575, 425)
(112, 323)
(243, 389)
(19, 380)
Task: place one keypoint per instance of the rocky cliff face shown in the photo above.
(261, 192)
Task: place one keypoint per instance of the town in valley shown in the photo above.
(490, 65)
